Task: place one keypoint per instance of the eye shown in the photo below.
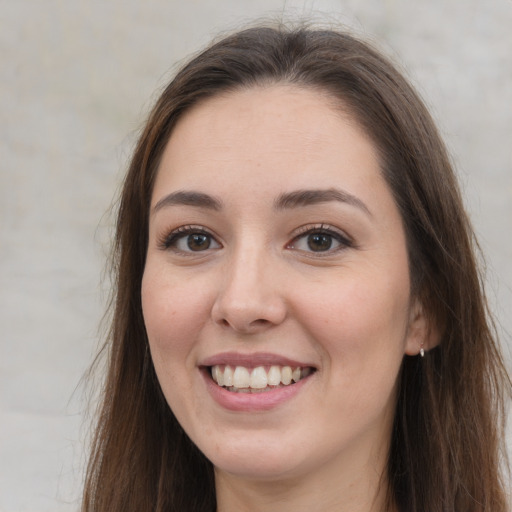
(187, 239)
(319, 240)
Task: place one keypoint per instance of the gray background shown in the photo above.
(76, 79)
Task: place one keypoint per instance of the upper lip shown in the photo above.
(253, 360)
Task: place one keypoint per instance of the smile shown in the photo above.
(241, 379)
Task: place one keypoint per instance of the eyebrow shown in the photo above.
(300, 198)
(288, 200)
(189, 198)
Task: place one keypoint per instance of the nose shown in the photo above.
(250, 299)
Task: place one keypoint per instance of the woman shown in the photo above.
(299, 322)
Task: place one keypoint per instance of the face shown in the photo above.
(276, 292)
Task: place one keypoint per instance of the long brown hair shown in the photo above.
(447, 444)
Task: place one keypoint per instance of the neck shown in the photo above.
(354, 488)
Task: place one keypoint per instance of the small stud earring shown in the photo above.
(422, 351)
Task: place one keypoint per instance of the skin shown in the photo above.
(259, 287)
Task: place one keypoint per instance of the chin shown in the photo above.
(254, 459)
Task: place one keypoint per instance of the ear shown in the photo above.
(421, 331)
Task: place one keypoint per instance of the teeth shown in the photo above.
(241, 377)
(218, 376)
(258, 379)
(228, 376)
(274, 376)
(286, 375)
(305, 372)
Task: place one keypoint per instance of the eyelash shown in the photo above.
(175, 236)
(169, 241)
(322, 229)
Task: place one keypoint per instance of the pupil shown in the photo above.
(319, 242)
(198, 242)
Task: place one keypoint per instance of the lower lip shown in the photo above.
(251, 402)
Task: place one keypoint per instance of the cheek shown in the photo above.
(360, 323)
(174, 312)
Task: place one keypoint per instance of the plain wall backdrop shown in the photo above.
(76, 80)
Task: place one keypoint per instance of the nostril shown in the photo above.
(260, 321)
(252, 326)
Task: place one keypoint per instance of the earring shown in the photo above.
(422, 350)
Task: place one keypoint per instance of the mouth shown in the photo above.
(259, 379)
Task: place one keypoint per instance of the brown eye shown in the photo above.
(319, 242)
(188, 239)
(198, 242)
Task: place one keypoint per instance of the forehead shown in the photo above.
(278, 136)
